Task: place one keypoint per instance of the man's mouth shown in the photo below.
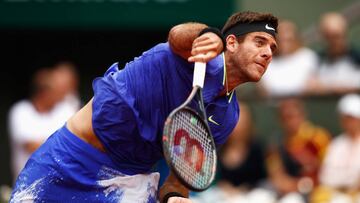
(261, 65)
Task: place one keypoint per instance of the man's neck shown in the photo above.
(231, 79)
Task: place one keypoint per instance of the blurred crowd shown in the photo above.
(297, 70)
(303, 163)
(306, 163)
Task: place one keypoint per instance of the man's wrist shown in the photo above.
(215, 31)
(170, 194)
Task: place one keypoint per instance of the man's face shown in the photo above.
(253, 55)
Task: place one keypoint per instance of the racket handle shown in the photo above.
(199, 74)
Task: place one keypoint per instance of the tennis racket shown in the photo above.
(188, 145)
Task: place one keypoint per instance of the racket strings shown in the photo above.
(195, 165)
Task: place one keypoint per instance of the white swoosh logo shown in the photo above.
(211, 120)
(269, 28)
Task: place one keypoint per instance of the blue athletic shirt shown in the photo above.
(130, 105)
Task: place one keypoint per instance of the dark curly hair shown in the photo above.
(249, 17)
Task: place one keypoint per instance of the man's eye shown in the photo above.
(259, 42)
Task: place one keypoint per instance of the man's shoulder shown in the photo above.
(307, 52)
(160, 54)
(341, 140)
(22, 106)
(22, 110)
(163, 48)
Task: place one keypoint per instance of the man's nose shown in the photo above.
(266, 53)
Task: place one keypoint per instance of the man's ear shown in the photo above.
(231, 43)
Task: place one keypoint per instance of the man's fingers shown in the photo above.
(207, 39)
(208, 36)
(203, 57)
(203, 41)
(203, 49)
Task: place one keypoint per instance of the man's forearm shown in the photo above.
(181, 38)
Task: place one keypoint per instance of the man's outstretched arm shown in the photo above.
(185, 41)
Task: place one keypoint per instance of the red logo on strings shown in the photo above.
(190, 145)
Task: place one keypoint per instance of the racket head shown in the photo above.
(189, 148)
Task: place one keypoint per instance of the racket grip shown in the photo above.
(199, 74)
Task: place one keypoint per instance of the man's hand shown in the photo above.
(179, 200)
(172, 184)
(206, 47)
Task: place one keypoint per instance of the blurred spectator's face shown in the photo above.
(333, 29)
(45, 89)
(335, 38)
(287, 38)
(65, 80)
(291, 116)
(350, 124)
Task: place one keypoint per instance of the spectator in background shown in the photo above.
(66, 82)
(292, 67)
(241, 166)
(294, 162)
(339, 68)
(25, 118)
(340, 173)
(32, 120)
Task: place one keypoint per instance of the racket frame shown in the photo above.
(199, 71)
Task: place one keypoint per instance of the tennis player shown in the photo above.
(106, 151)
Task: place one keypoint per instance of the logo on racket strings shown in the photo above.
(192, 153)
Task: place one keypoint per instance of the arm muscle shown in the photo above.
(181, 38)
